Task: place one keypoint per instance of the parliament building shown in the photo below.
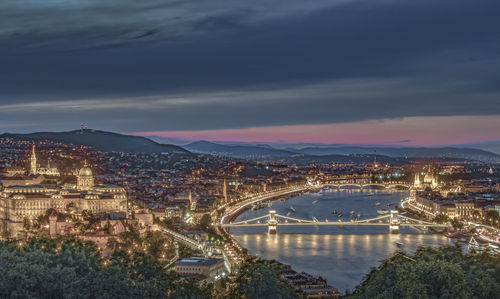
(30, 200)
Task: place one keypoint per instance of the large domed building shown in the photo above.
(430, 180)
(21, 202)
(85, 178)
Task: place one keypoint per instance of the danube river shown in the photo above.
(343, 255)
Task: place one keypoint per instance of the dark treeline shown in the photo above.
(46, 268)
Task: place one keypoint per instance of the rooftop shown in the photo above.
(198, 261)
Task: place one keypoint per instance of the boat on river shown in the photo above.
(334, 212)
(383, 212)
(292, 209)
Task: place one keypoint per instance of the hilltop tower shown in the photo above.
(33, 164)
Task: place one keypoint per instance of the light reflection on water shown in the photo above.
(342, 255)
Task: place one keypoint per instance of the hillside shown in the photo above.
(238, 151)
(410, 152)
(101, 140)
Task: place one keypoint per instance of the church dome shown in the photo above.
(85, 171)
(428, 178)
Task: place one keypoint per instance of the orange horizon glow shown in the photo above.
(408, 131)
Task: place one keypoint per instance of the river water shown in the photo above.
(342, 255)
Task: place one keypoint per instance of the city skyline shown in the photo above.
(230, 149)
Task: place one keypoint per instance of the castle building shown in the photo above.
(18, 203)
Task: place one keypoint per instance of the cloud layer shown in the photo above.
(172, 65)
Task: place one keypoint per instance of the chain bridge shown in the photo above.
(390, 185)
(393, 221)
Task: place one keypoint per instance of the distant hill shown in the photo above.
(338, 153)
(101, 140)
(363, 159)
(238, 151)
(410, 152)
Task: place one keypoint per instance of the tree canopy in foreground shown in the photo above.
(429, 273)
(45, 268)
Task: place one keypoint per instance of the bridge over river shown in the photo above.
(393, 220)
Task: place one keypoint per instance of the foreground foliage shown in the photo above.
(74, 269)
(48, 268)
(256, 279)
(443, 273)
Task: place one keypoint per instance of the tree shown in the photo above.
(457, 224)
(492, 218)
(48, 268)
(259, 279)
(87, 215)
(443, 273)
(205, 222)
(108, 228)
(26, 224)
(442, 219)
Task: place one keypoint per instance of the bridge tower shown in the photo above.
(271, 225)
(394, 222)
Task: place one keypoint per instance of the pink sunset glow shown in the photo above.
(411, 131)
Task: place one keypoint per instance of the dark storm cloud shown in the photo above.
(175, 65)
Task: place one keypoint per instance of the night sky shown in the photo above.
(396, 72)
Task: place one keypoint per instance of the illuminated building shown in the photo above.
(18, 203)
(84, 179)
(201, 267)
(35, 170)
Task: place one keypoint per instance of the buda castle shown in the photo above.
(32, 199)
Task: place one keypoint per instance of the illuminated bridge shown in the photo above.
(393, 221)
(363, 185)
(192, 243)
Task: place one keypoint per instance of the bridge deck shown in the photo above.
(332, 224)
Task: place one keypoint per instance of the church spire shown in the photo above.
(33, 164)
(417, 180)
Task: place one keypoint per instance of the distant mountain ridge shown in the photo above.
(410, 152)
(237, 151)
(101, 140)
(254, 151)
